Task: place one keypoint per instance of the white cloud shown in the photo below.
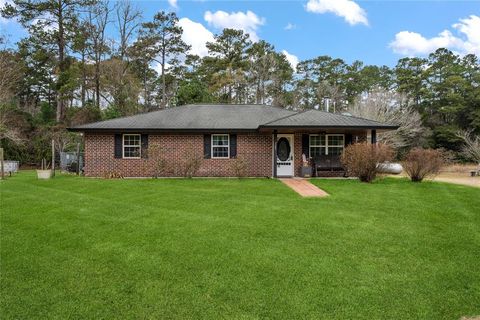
(290, 26)
(347, 9)
(248, 22)
(470, 27)
(196, 35)
(413, 43)
(173, 3)
(292, 59)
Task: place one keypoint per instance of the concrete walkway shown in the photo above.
(304, 188)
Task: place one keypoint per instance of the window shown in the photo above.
(326, 144)
(131, 146)
(220, 146)
(335, 143)
(317, 145)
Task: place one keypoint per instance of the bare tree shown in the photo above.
(98, 16)
(10, 76)
(8, 129)
(128, 21)
(391, 107)
(471, 147)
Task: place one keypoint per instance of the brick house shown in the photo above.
(265, 141)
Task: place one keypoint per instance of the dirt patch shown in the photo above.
(451, 178)
(457, 174)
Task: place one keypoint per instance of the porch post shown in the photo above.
(374, 136)
(274, 153)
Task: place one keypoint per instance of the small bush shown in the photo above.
(361, 159)
(422, 163)
(112, 175)
(239, 167)
(160, 167)
(193, 161)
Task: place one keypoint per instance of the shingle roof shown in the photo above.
(316, 118)
(228, 117)
(196, 117)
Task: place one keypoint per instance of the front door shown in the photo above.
(284, 154)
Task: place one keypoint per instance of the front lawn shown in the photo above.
(240, 249)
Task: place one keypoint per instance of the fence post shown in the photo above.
(78, 158)
(53, 158)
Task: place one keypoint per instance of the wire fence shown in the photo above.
(70, 161)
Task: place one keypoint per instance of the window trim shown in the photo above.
(326, 145)
(217, 146)
(123, 145)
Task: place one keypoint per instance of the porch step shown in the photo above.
(304, 187)
(326, 173)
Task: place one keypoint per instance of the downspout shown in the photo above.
(274, 153)
(374, 136)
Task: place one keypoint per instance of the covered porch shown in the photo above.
(313, 152)
(317, 139)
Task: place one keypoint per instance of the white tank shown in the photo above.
(390, 168)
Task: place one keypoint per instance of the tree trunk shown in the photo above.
(97, 83)
(84, 79)
(164, 85)
(61, 62)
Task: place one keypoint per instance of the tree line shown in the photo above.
(88, 60)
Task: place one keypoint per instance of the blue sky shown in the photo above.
(376, 32)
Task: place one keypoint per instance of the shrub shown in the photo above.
(160, 167)
(361, 159)
(239, 167)
(421, 163)
(112, 175)
(193, 161)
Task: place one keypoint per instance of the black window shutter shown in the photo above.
(145, 146)
(306, 145)
(348, 139)
(233, 146)
(118, 146)
(207, 143)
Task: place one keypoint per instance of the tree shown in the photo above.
(395, 108)
(54, 21)
(10, 77)
(38, 83)
(113, 76)
(227, 64)
(261, 66)
(8, 129)
(281, 79)
(162, 42)
(409, 74)
(98, 19)
(128, 21)
(471, 147)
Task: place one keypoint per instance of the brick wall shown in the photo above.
(172, 150)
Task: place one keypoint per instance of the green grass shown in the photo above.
(239, 249)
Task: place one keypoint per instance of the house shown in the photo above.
(270, 141)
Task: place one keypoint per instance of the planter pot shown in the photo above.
(389, 168)
(306, 172)
(44, 174)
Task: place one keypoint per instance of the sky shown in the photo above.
(375, 32)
